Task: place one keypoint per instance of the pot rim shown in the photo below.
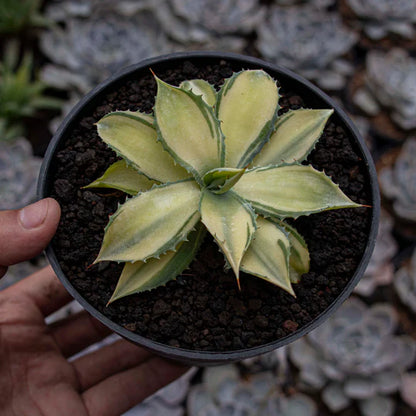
(214, 357)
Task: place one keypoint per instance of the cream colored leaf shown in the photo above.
(124, 178)
(296, 133)
(188, 129)
(299, 260)
(232, 223)
(268, 255)
(222, 180)
(132, 136)
(151, 223)
(291, 191)
(202, 88)
(140, 276)
(247, 108)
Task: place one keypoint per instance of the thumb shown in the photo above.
(26, 232)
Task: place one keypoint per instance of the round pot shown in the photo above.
(313, 98)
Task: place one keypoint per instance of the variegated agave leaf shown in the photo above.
(188, 167)
(232, 223)
(202, 88)
(247, 108)
(123, 177)
(268, 255)
(296, 133)
(132, 136)
(299, 259)
(141, 276)
(151, 223)
(189, 130)
(290, 191)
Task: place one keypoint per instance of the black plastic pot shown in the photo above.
(314, 98)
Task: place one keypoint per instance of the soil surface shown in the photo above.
(203, 309)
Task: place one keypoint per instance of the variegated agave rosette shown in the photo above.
(218, 161)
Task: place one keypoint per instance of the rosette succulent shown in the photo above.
(218, 161)
(382, 17)
(309, 41)
(390, 83)
(356, 357)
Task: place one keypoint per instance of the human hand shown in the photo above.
(36, 379)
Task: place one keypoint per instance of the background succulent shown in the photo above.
(19, 171)
(200, 175)
(224, 392)
(380, 270)
(85, 52)
(355, 356)
(316, 3)
(168, 400)
(308, 41)
(405, 283)
(62, 10)
(21, 94)
(408, 389)
(390, 83)
(398, 181)
(18, 15)
(378, 18)
(203, 24)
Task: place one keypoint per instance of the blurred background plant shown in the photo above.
(389, 84)
(17, 15)
(355, 356)
(398, 181)
(310, 41)
(405, 283)
(21, 93)
(379, 18)
(363, 53)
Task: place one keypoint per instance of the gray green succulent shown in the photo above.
(88, 50)
(397, 182)
(405, 283)
(380, 269)
(224, 391)
(356, 357)
(390, 84)
(224, 162)
(309, 41)
(380, 18)
(19, 171)
(207, 24)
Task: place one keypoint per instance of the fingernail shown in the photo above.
(34, 215)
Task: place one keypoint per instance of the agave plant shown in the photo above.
(224, 162)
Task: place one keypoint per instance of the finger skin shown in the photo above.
(43, 289)
(77, 332)
(18, 243)
(119, 393)
(107, 361)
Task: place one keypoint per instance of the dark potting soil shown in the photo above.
(203, 309)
